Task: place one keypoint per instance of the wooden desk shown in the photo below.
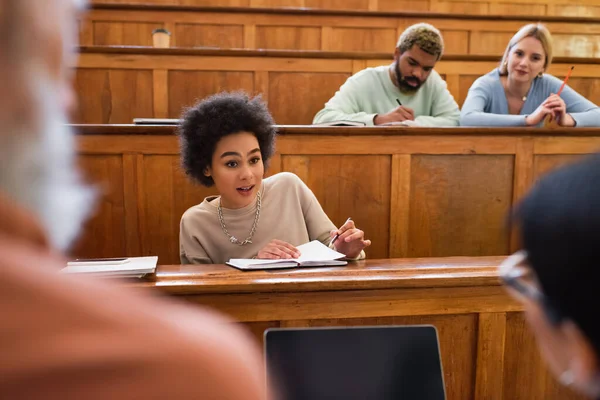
(487, 350)
(415, 192)
(117, 84)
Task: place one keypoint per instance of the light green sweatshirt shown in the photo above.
(371, 92)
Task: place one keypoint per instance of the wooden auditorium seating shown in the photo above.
(117, 84)
(415, 192)
(329, 30)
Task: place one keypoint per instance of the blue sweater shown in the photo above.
(486, 103)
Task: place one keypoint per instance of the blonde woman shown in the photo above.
(520, 92)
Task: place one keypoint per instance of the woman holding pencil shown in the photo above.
(520, 93)
(227, 141)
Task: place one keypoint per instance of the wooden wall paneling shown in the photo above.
(288, 37)
(160, 93)
(464, 84)
(573, 10)
(490, 356)
(459, 7)
(453, 82)
(277, 3)
(297, 96)
(187, 87)
(113, 96)
(250, 36)
(373, 5)
(523, 179)
(86, 32)
(526, 376)
(545, 163)
(168, 193)
(356, 186)
(283, 306)
(124, 33)
(363, 39)
(358, 65)
(397, 144)
(326, 38)
(337, 4)
(104, 233)
(558, 145)
(587, 87)
(573, 45)
(132, 163)
(261, 84)
(400, 5)
(459, 203)
(489, 42)
(399, 205)
(224, 36)
(516, 9)
(457, 338)
(456, 41)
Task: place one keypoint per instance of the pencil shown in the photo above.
(565, 81)
(398, 101)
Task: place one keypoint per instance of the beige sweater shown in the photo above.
(289, 212)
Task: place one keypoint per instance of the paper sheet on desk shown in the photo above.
(402, 123)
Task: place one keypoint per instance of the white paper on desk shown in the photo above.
(135, 267)
(311, 254)
(317, 251)
(402, 123)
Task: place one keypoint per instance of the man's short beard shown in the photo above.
(37, 166)
(402, 84)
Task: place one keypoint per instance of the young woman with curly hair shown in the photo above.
(227, 141)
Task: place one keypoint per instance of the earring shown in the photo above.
(567, 378)
(541, 74)
(504, 64)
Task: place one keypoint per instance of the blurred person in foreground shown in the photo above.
(63, 337)
(556, 274)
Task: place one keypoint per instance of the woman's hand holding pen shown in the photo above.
(350, 240)
(278, 249)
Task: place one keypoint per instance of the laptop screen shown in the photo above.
(374, 363)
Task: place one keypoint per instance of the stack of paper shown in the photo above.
(312, 254)
(122, 267)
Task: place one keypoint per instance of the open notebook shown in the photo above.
(312, 254)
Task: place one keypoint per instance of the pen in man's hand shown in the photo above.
(338, 235)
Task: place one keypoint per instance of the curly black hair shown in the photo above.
(215, 117)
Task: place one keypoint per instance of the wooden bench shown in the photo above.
(117, 84)
(415, 192)
(341, 31)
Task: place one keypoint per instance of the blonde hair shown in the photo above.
(427, 37)
(538, 31)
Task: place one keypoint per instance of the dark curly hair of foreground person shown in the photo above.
(215, 117)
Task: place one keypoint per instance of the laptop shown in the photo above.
(352, 363)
